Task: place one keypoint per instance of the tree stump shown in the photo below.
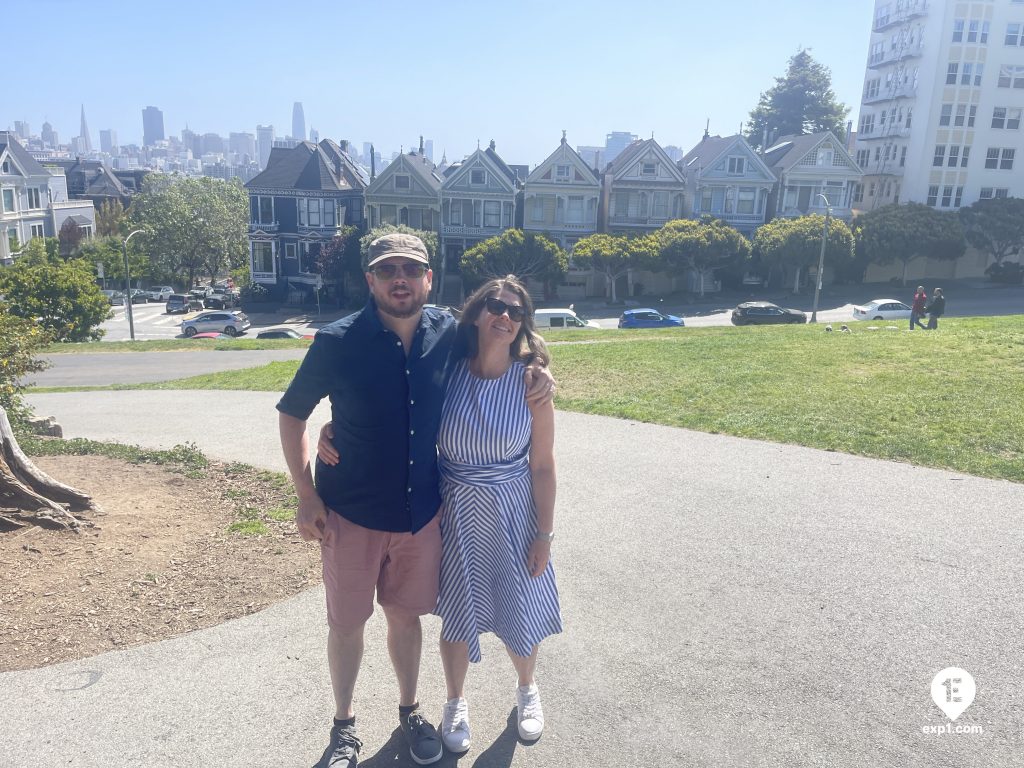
(28, 496)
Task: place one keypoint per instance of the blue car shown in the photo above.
(649, 318)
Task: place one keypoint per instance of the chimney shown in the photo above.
(344, 145)
(421, 145)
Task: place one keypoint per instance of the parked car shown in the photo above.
(882, 309)
(116, 298)
(231, 323)
(561, 318)
(765, 313)
(649, 318)
(282, 333)
(177, 302)
(160, 293)
(221, 298)
(140, 296)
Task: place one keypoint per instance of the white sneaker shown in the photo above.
(455, 725)
(530, 714)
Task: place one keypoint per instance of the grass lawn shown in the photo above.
(952, 398)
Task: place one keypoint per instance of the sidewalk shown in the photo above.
(727, 603)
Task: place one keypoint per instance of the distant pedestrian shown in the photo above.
(936, 309)
(917, 309)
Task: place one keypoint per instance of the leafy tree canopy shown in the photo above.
(702, 245)
(802, 101)
(111, 220)
(905, 232)
(795, 244)
(614, 255)
(59, 296)
(70, 238)
(193, 225)
(995, 226)
(109, 252)
(20, 340)
(514, 252)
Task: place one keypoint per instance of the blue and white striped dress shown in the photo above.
(488, 517)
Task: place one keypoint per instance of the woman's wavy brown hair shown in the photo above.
(528, 346)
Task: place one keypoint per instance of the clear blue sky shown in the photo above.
(388, 70)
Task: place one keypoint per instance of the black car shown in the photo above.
(764, 313)
(220, 298)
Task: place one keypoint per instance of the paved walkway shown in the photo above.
(727, 603)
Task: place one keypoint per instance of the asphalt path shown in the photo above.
(727, 602)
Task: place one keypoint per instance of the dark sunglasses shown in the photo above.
(497, 307)
(409, 269)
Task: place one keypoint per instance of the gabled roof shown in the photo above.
(414, 164)
(788, 151)
(496, 159)
(563, 154)
(488, 158)
(28, 164)
(631, 155)
(713, 149)
(310, 167)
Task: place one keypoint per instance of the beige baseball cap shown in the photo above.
(397, 244)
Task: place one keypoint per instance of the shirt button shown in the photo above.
(412, 402)
(412, 431)
(410, 489)
(410, 462)
(407, 372)
(398, 343)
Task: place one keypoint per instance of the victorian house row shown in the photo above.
(308, 192)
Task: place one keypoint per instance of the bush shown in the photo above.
(1007, 272)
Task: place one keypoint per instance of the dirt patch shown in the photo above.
(170, 553)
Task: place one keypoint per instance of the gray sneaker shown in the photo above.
(345, 746)
(424, 743)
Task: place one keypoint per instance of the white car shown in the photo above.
(882, 309)
(159, 293)
(231, 323)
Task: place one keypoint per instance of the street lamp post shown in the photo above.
(128, 286)
(821, 259)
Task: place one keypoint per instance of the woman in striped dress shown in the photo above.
(496, 456)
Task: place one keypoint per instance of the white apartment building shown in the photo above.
(940, 116)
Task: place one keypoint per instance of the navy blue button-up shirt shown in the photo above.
(386, 408)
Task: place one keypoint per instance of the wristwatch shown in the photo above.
(548, 537)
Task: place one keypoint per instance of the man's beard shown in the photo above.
(401, 314)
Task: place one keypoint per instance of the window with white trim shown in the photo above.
(977, 31)
(736, 166)
(958, 30)
(1002, 192)
(1006, 159)
(945, 114)
(965, 155)
(313, 207)
(863, 157)
(264, 210)
(867, 124)
(477, 213)
(910, 116)
(940, 154)
(954, 156)
(8, 198)
(401, 181)
(1013, 35)
(992, 158)
(562, 172)
(745, 200)
(933, 195)
(971, 73)
(290, 251)
(455, 213)
(959, 197)
(1011, 76)
(985, 193)
(37, 230)
(478, 177)
(903, 157)
(575, 212)
(877, 53)
(263, 257)
(871, 88)
(33, 198)
(329, 209)
(12, 239)
(951, 72)
(1007, 118)
(947, 196)
(648, 169)
(538, 209)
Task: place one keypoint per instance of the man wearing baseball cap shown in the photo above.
(385, 370)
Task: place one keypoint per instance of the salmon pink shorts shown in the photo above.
(402, 568)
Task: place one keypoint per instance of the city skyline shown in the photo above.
(658, 68)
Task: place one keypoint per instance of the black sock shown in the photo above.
(343, 723)
(403, 711)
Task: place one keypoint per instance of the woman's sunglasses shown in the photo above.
(409, 269)
(497, 307)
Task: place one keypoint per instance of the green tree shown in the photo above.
(111, 220)
(340, 262)
(905, 232)
(60, 296)
(802, 101)
(109, 251)
(702, 246)
(192, 225)
(995, 226)
(20, 341)
(614, 256)
(70, 238)
(526, 255)
(795, 244)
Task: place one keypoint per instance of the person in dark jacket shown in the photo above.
(917, 308)
(936, 309)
